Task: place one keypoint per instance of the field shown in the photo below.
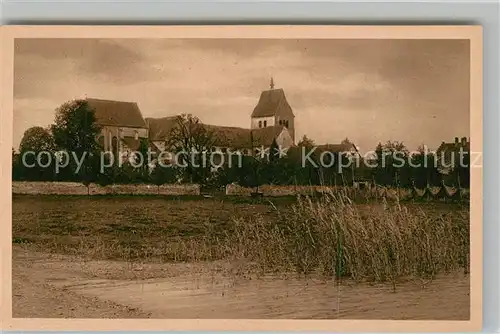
(130, 228)
(213, 257)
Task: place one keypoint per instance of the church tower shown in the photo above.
(273, 110)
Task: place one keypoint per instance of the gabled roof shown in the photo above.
(117, 113)
(270, 102)
(159, 128)
(265, 136)
(245, 138)
(337, 148)
(223, 136)
(228, 136)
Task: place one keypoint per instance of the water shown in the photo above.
(218, 297)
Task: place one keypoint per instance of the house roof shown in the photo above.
(159, 128)
(117, 113)
(337, 148)
(449, 147)
(270, 102)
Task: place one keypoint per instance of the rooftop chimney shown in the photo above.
(272, 83)
(456, 140)
(464, 141)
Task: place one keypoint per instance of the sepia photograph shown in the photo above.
(242, 177)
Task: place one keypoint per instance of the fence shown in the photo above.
(428, 193)
(276, 190)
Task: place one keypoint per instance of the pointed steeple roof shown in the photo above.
(270, 102)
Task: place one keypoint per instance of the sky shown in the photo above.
(370, 91)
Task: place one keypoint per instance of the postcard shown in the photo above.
(319, 178)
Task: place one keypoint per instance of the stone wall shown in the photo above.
(49, 188)
(179, 189)
(73, 188)
(123, 189)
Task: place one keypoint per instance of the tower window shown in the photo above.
(260, 124)
(136, 135)
(280, 122)
(286, 124)
(265, 123)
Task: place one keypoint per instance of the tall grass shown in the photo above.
(329, 235)
(337, 238)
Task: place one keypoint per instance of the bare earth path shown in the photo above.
(60, 286)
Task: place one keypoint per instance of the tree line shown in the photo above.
(72, 153)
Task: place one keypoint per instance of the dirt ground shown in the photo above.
(60, 286)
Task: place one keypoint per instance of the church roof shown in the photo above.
(223, 136)
(234, 137)
(159, 128)
(117, 113)
(270, 102)
(228, 136)
(265, 136)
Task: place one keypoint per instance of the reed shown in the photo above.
(335, 237)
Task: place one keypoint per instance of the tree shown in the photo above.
(191, 141)
(392, 164)
(36, 155)
(379, 174)
(306, 142)
(398, 166)
(249, 174)
(16, 166)
(346, 141)
(37, 139)
(75, 131)
(143, 171)
(461, 170)
(425, 169)
(164, 174)
(306, 174)
(75, 127)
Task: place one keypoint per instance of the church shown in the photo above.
(272, 122)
